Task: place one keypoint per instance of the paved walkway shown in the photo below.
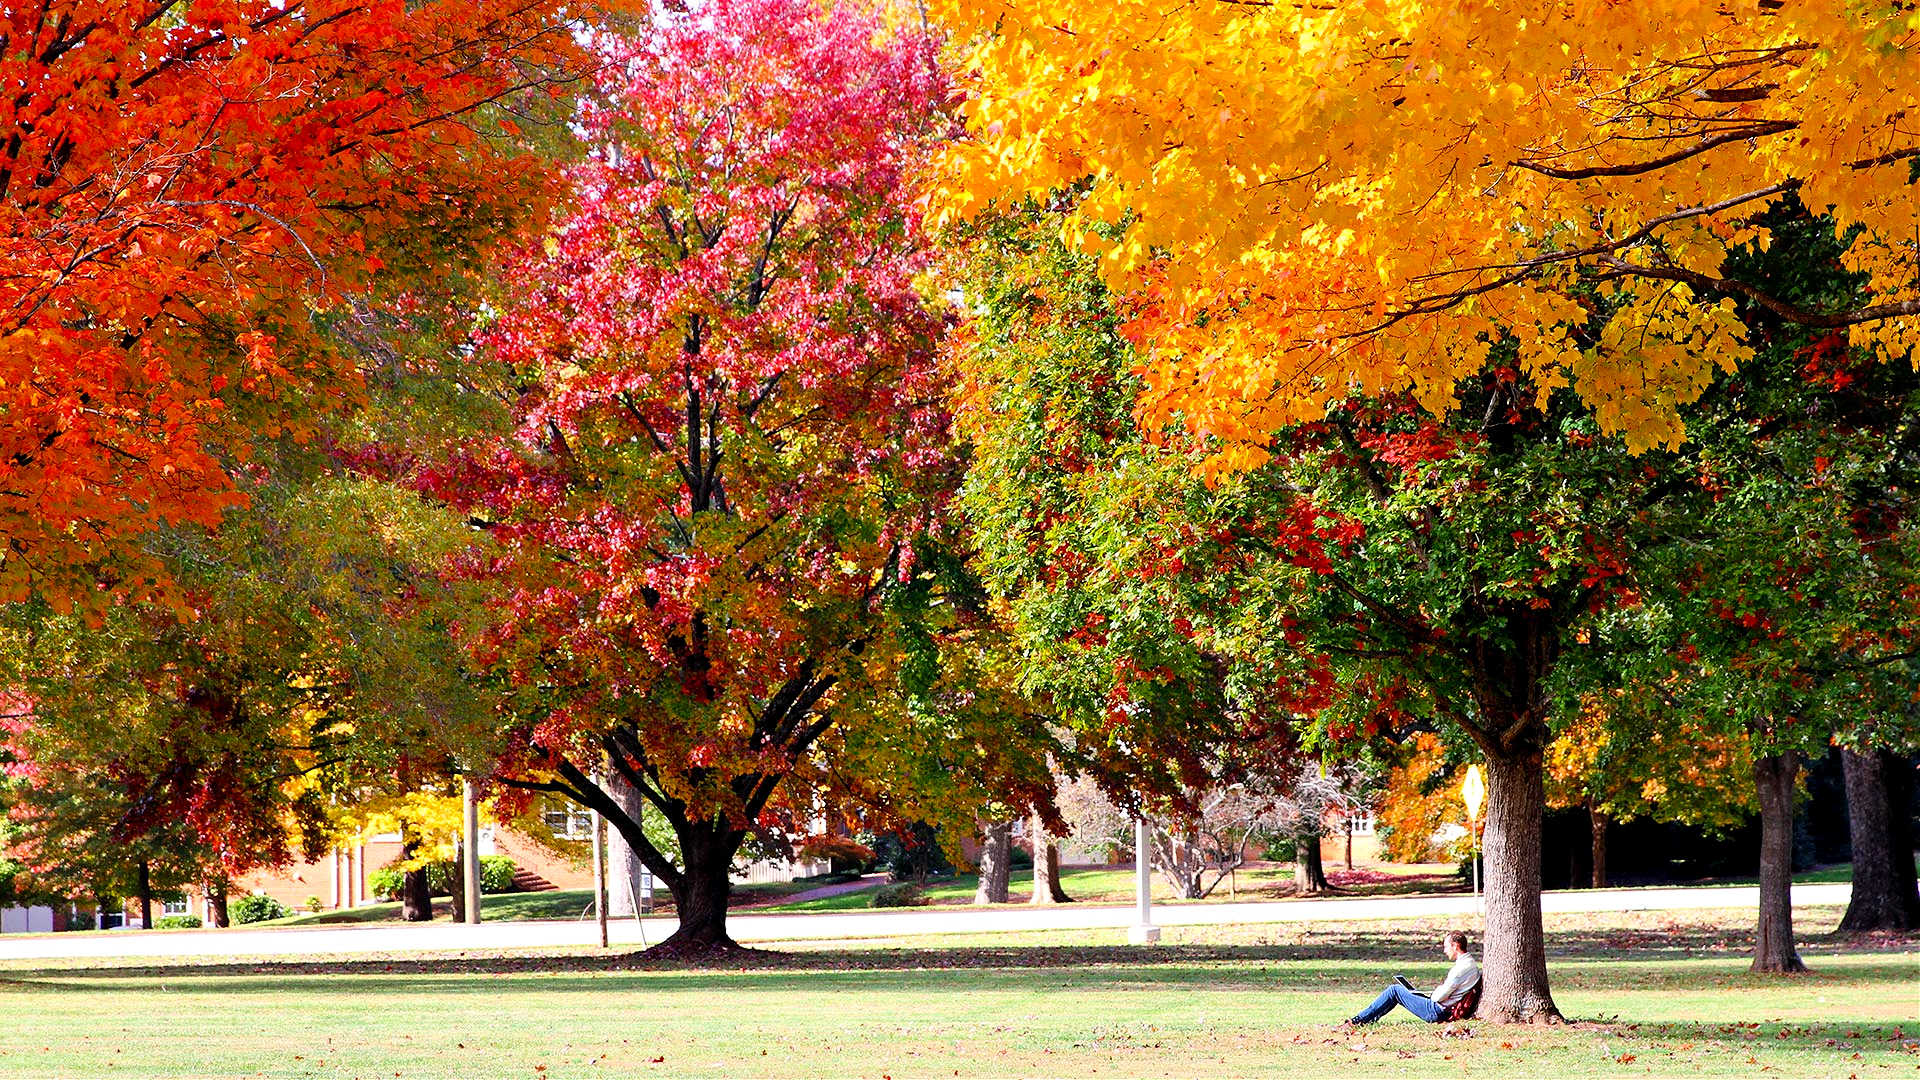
(871, 881)
(444, 937)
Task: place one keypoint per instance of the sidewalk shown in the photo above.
(885, 923)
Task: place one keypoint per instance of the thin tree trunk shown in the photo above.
(457, 885)
(145, 886)
(1046, 865)
(1516, 951)
(217, 902)
(1773, 777)
(1349, 843)
(1309, 873)
(1883, 898)
(995, 868)
(624, 868)
(1597, 822)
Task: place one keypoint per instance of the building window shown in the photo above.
(175, 907)
(1362, 822)
(568, 822)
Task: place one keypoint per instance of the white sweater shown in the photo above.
(1465, 972)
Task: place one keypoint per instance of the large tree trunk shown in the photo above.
(1597, 825)
(1773, 777)
(1883, 898)
(1516, 950)
(1046, 865)
(995, 865)
(145, 886)
(702, 889)
(416, 893)
(1309, 873)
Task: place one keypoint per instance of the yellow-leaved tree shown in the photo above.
(1313, 199)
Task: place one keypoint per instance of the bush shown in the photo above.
(257, 908)
(496, 874)
(314, 905)
(177, 922)
(904, 894)
(1276, 846)
(1019, 858)
(913, 857)
(386, 883)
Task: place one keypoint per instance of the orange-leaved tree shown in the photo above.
(187, 187)
(1367, 196)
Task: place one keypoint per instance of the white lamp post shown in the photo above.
(1143, 932)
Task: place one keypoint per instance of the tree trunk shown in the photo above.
(457, 885)
(1883, 898)
(416, 895)
(624, 868)
(145, 886)
(1309, 874)
(1773, 949)
(1597, 822)
(217, 902)
(1046, 866)
(995, 868)
(701, 893)
(1349, 843)
(1516, 949)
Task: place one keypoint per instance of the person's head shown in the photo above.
(1454, 944)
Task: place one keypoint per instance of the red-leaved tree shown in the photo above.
(729, 440)
(187, 187)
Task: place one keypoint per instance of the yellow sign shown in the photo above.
(1474, 791)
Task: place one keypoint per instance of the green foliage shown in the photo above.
(257, 907)
(315, 905)
(386, 882)
(915, 855)
(901, 894)
(177, 922)
(496, 874)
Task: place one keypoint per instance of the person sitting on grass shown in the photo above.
(1454, 999)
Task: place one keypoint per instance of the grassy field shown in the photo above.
(1650, 994)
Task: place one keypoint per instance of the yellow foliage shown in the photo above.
(1312, 199)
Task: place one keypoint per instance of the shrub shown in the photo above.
(1019, 858)
(257, 908)
(177, 922)
(386, 883)
(314, 905)
(843, 849)
(915, 856)
(496, 874)
(904, 894)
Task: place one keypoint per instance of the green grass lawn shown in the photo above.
(509, 907)
(1650, 993)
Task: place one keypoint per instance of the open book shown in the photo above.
(1402, 980)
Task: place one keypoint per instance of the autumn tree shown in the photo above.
(189, 192)
(716, 514)
(1316, 200)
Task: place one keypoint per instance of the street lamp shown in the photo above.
(1142, 932)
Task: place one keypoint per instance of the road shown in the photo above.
(746, 927)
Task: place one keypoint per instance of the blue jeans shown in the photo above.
(1419, 1005)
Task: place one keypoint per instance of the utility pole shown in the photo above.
(470, 848)
(599, 873)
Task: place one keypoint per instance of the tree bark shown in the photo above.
(1516, 951)
(457, 886)
(624, 867)
(702, 890)
(1349, 843)
(1883, 897)
(1597, 823)
(416, 894)
(145, 886)
(1309, 872)
(1046, 865)
(217, 902)
(1773, 777)
(995, 867)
